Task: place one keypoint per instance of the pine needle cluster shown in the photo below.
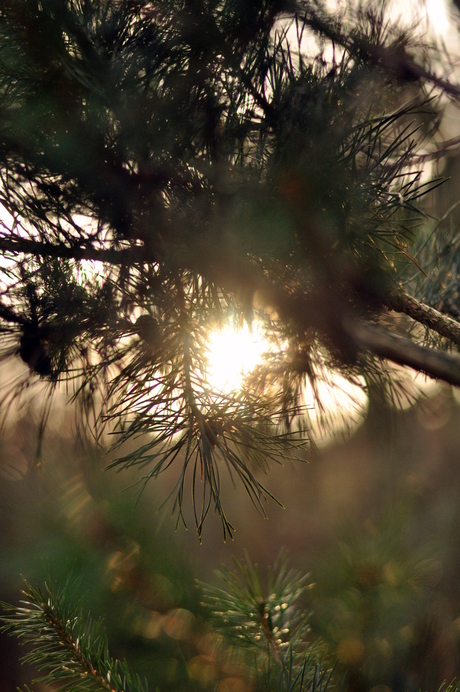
(68, 647)
(266, 638)
(262, 633)
(166, 167)
(268, 623)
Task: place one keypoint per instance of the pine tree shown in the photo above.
(264, 636)
(168, 166)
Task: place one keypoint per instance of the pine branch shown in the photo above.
(268, 625)
(255, 618)
(69, 648)
(37, 248)
(392, 59)
(424, 314)
(309, 677)
(201, 141)
(403, 351)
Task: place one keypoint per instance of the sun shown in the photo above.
(234, 353)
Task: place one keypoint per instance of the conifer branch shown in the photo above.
(268, 625)
(203, 141)
(69, 648)
(424, 314)
(37, 248)
(252, 617)
(403, 351)
(393, 58)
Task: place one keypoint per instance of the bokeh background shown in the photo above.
(373, 516)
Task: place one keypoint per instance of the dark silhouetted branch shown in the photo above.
(437, 364)
(424, 314)
(38, 248)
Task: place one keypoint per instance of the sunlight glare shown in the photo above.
(233, 354)
(439, 17)
(342, 410)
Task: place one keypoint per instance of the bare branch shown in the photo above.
(60, 251)
(400, 350)
(424, 314)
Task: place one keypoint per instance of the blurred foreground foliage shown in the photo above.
(380, 608)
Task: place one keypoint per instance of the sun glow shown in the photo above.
(337, 408)
(233, 354)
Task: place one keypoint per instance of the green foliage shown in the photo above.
(373, 605)
(266, 640)
(65, 644)
(268, 636)
(267, 624)
(248, 616)
(377, 588)
(129, 567)
(167, 167)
